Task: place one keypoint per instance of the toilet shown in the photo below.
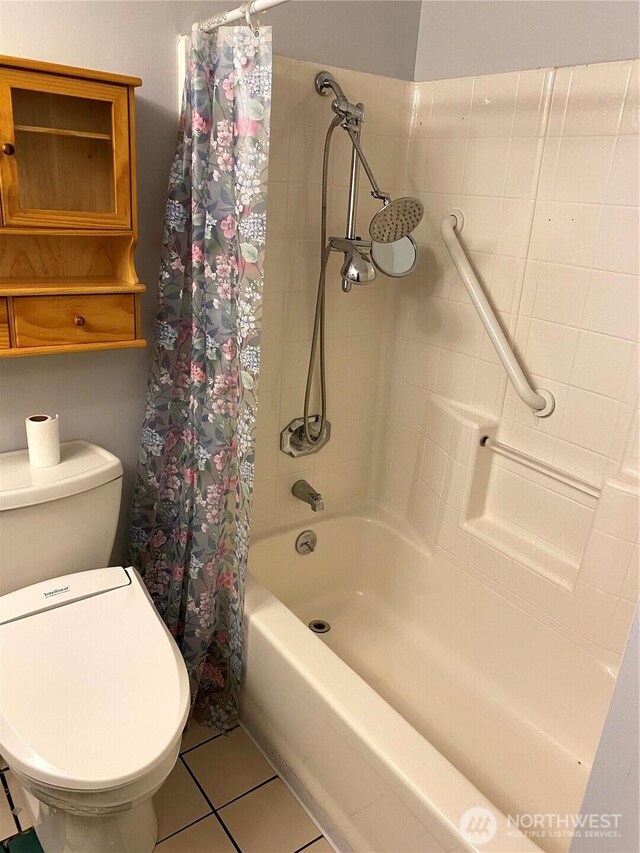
(94, 694)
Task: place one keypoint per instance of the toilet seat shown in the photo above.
(93, 691)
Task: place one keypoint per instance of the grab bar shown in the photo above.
(541, 467)
(540, 400)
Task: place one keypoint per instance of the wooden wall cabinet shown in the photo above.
(68, 219)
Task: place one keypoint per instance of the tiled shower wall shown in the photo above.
(355, 323)
(544, 166)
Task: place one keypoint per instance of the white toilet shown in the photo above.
(94, 694)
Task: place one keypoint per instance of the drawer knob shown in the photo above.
(79, 320)
(8, 149)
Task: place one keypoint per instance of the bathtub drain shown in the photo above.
(319, 626)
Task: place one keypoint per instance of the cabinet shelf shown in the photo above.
(66, 286)
(58, 131)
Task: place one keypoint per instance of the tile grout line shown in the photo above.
(208, 740)
(211, 806)
(214, 811)
(250, 791)
(309, 843)
(524, 252)
(289, 788)
(186, 826)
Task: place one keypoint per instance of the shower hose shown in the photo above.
(318, 337)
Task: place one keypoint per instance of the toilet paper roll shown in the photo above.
(43, 440)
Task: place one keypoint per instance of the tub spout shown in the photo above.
(304, 492)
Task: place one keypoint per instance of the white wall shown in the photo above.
(100, 395)
(464, 38)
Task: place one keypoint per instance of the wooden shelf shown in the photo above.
(14, 352)
(68, 224)
(68, 70)
(29, 231)
(68, 286)
(58, 131)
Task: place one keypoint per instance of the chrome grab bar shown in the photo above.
(540, 466)
(540, 400)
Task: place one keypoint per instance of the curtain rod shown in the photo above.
(241, 13)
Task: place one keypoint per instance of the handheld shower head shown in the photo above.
(396, 219)
(358, 267)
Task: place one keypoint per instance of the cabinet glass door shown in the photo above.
(64, 160)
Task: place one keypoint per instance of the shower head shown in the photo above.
(358, 267)
(396, 219)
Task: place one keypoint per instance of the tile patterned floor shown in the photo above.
(222, 796)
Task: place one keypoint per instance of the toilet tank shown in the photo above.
(57, 520)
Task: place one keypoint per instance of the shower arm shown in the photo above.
(376, 192)
(353, 115)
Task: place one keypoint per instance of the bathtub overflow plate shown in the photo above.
(319, 626)
(306, 542)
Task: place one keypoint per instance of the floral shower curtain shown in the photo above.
(191, 510)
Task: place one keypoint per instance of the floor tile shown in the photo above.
(179, 802)
(7, 823)
(228, 766)
(196, 734)
(269, 820)
(19, 805)
(206, 836)
(319, 846)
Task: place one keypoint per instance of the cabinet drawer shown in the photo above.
(4, 324)
(82, 319)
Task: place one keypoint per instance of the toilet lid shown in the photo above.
(93, 690)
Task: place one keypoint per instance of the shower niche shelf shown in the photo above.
(512, 506)
(68, 220)
(504, 504)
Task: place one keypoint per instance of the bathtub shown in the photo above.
(430, 695)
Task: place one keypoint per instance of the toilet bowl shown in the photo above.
(94, 696)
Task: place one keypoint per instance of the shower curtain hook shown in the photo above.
(247, 16)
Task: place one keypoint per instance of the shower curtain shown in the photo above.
(192, 502)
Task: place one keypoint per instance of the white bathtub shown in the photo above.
(430, 695)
